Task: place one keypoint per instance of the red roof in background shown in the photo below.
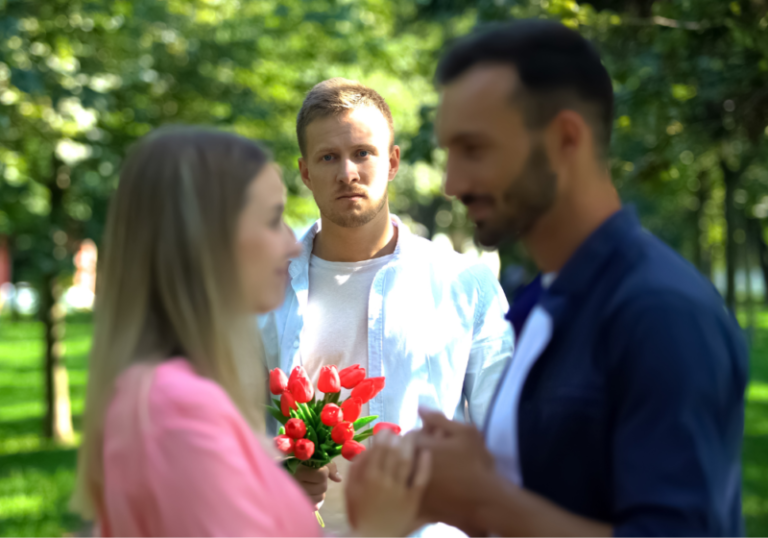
(5, 261)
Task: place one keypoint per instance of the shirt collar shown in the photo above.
(584, 267)
(300, 264)
(577, 275)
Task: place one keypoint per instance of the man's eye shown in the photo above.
(364, 153)
(327, 158)
(472, 151)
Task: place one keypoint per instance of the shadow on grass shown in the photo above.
(5, 370)
(47, 461)
(35, 488)
(14, 395)
(65, 524)
(10, 428)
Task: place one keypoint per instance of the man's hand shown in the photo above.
(465, 491)
(463, 473)
(314, 482)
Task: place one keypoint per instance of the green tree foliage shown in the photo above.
(691, 84)
(81, 80)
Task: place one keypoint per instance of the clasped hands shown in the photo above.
(442, 472)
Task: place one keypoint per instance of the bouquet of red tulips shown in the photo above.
(316, 431)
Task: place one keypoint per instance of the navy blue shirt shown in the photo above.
(634, 413)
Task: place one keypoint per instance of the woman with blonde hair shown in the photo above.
(195, 244)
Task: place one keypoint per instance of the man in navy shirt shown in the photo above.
(622, 410)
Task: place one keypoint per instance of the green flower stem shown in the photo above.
(360, 437)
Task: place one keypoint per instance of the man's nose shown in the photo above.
(348, 172)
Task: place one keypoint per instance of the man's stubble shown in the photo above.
(529, 196)
(350, 219)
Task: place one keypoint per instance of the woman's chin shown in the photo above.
(268, 304)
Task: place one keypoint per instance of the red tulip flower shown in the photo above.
(287, 402)
(342, 432)
(304, 449)
(384, 426)
(329, 379)
(350, 449)
(368, 388)
(295, 428)
(278, 381)
(300, 385)
(285, 444)
(350, 377)
(331, 415)
(351, 409)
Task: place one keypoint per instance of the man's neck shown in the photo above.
(375, 239)
(560, 232)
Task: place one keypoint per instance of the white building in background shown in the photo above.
(81, 295)
(24, 296)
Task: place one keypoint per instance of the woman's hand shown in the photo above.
(385, 486)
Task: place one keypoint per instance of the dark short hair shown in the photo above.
(558, 68)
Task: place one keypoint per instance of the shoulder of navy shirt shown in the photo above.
(634, 412)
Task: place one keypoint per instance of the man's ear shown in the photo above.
(568, 132)
(305, 173)
(394, 162)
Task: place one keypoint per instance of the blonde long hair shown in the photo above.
(168, 282)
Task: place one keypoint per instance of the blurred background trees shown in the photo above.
(81, 80)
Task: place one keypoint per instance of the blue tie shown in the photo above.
(522, 303)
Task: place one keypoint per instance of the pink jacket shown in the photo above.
(180, 460)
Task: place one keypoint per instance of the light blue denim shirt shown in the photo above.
(436, 330)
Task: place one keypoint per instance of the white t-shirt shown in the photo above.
(502, 425)
(336, 319)
(336, 332)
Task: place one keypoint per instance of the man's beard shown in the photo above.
(529, 195)
(351, 219)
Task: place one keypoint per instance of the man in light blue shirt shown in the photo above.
(367, 291)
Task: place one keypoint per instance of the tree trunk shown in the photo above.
(730, 178)
(58, 412)
(702, 255)
(757, 237)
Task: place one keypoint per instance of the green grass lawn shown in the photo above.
(36, 478)
(755, 461)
